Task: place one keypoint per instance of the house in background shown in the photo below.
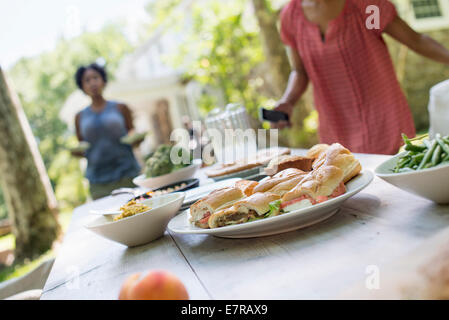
(424, 15)
(416, 73)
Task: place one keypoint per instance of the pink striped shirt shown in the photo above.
(357, 95)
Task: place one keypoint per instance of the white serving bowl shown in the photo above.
(142, 227)
(431, 183)
(169, 178)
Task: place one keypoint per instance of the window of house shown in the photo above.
(426, 8)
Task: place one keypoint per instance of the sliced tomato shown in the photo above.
(289, 203)
(341, 189)
(320, 199)
(205, 218)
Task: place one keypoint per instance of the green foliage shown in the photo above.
(3, 212)
(44, 82)
(159, 11)
(419, 75)
(223, 50)
(67, 178)
(303, 136)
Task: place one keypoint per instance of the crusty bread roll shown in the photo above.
(283, 187)
(214, 201)
(269, 183)
(419, 275)
(288, 161)
(247, 186)
(288, 172)
(338, 156)
(316, 150)
(320, 182)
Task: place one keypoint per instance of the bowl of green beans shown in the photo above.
(422, 168)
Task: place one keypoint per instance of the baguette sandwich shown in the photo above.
(247, 186)
(217, 200)
(317, 150)
(280, 177)
(338, 156)
(285, 186)
(318, 186)
(258, 205)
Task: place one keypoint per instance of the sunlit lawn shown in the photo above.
(7, 242)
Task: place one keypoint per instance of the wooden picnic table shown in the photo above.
(374, 227)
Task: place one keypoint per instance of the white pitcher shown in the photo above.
(439, 109)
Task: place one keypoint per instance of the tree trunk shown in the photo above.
(277, 61)
(27, 190)
(278, 64)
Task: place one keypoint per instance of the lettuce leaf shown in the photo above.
(274, 208)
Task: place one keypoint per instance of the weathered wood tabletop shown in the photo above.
(375, 227)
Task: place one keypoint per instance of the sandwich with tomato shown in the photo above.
(215, 201)
(320, 185)
(257, 206)
(283, 178)
(338, 156)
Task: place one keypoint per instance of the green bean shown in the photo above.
(412, 147)
(405, 138)
(416, 160)
(419, 157)
(428, 155)
(436, 156)
(402, 164)
(444, 146)
(427, 143)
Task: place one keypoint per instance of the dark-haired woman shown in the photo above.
(110, 163)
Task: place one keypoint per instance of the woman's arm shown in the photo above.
(79, 154)
(77, 127)
(420, 43)
(297, 84)
(127, 114)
